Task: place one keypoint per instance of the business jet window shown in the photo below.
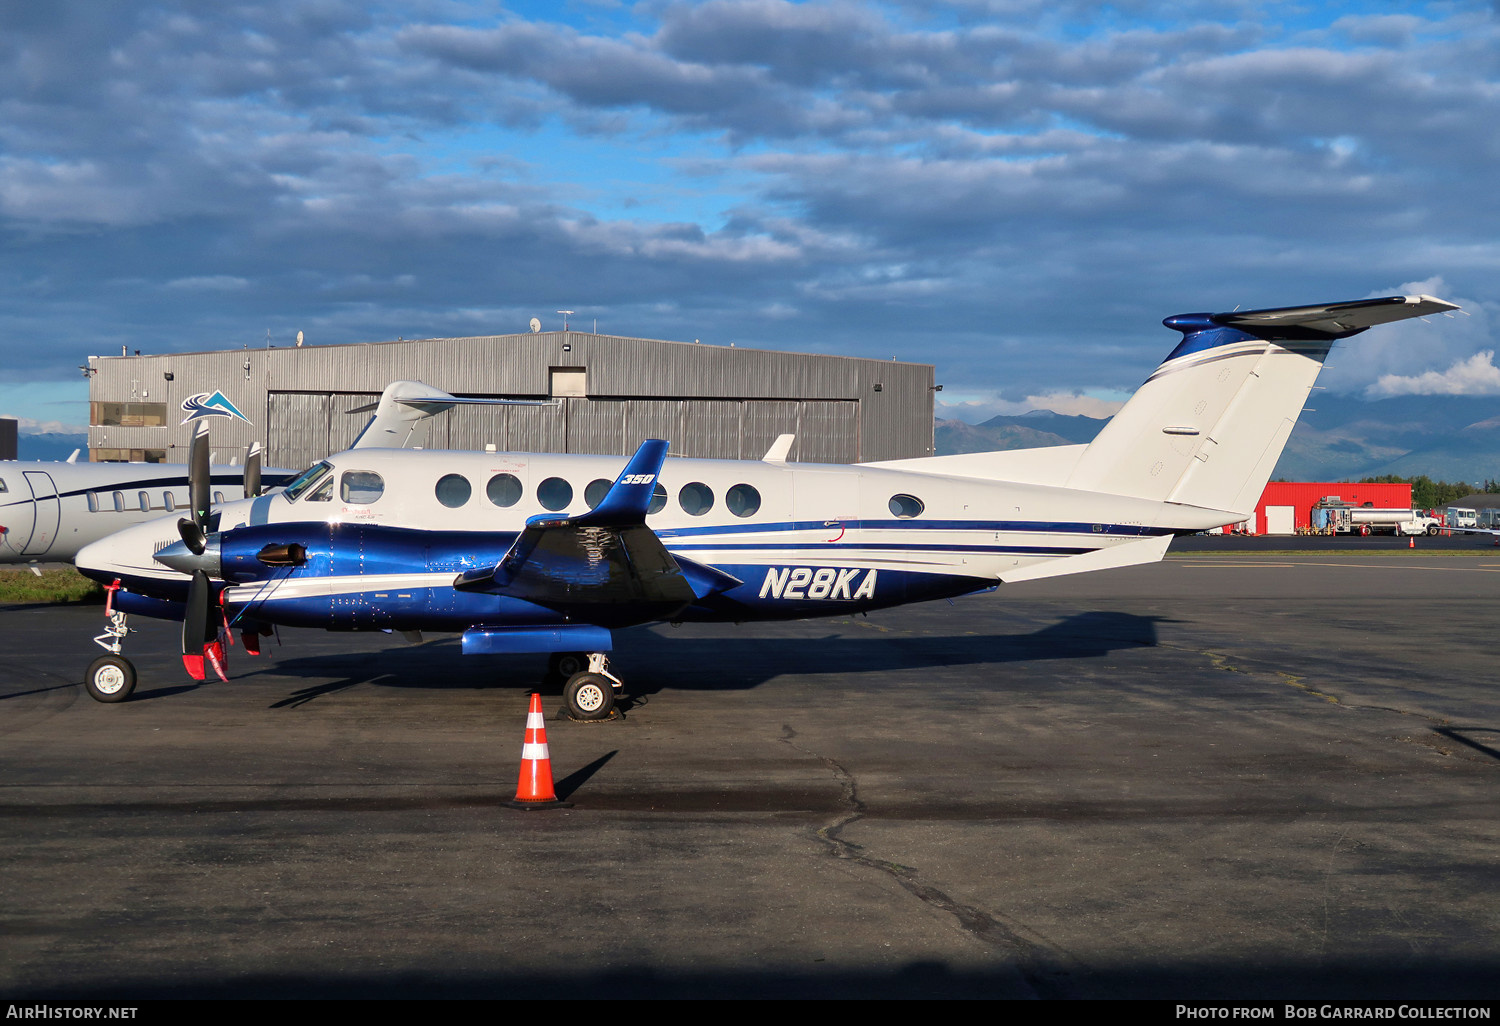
(93, 501)
(658, 499)
(361, 487)
(3, 487)
(219, 498)
(119, 502)
(595, 492)
(504, 490)
(743, 500)
(323, 492)
(453, 490)
(167, 502)
(306, 480)
(696, 498)
(906, 506)
(145, 500)
(554, 494)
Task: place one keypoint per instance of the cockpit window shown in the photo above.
(305, 480)
(361, 487)
(323, 492)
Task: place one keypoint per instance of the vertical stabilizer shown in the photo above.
(1208, 426)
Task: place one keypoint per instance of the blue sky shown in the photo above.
(1014, 191)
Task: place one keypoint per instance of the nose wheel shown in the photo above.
(110, 678)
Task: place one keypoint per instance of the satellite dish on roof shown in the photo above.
(536, 325)
(299, 340)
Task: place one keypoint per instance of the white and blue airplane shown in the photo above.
(548, 553)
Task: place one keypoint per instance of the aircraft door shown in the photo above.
(17, 515)
(48, 513)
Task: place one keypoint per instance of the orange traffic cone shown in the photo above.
(1411, 543)
(535, 788)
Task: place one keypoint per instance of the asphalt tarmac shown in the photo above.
(1263, 774)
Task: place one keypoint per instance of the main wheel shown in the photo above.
(589, 696)
(110, 678)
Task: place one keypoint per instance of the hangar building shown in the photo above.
(609, 393)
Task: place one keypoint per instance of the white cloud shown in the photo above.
(31, 426)
(974, 411)
(1477, 375)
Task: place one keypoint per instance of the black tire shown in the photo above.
(1432, 531)
(110, 678)
(589, 696)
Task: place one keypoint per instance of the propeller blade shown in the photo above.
(199, 475)
(193, 536)
(252, 471)
(198, 628)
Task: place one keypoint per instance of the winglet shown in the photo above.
(629, 497)
(780, 449)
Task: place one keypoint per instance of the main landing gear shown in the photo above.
(589, 690)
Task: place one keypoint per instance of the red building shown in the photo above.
(1302, 496)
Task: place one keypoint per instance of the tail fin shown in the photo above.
(1208, 426)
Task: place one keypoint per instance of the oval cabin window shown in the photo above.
(504, 490)
(554, 494)
(906, 506)
(696, 498)
(453, 490)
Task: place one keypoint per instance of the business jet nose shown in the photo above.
(179, 557)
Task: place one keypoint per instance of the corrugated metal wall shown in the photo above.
(711, 401)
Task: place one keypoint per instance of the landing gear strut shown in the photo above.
(111, 678)
(589, 693)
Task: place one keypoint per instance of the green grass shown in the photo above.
(54, 587)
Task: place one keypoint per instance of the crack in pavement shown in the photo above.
(1042, 967)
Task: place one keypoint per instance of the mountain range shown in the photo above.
(1337, 438)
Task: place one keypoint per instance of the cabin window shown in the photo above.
(119, 502)
(906, 506)
(361, 487)
(554, 494)
(595, 492)
(3, 486)
(167, 502)
(219, 497)
(453, 490)
(743, 500)
(696, 498)
(306, 480)
(144, 498)
(93, 500)
(658, 499)
(504, 490)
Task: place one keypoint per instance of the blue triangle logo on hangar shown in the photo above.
(215, 405)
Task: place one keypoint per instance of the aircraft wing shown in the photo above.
(604, 566)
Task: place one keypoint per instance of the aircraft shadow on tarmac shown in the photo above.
(650, 662)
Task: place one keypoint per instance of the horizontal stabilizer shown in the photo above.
(1131, 553)
(1331, 320)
